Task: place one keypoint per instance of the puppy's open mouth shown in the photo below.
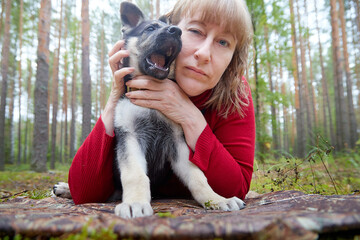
(161, 60)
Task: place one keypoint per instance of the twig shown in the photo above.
(332, 180)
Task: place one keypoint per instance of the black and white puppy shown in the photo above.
(147, 142)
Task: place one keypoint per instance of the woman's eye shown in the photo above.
(195, 31)
(224, 43)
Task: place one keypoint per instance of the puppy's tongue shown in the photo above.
(158, 60)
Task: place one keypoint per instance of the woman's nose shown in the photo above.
(203, 53)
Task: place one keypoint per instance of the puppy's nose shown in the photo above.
(175, 30)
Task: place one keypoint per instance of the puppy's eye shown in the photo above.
(150, 28)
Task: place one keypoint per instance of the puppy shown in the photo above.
(147, 143)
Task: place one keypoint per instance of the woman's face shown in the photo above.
(206, 52)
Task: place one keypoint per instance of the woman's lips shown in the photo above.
(196, 70)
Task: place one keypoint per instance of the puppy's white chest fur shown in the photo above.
(127, 113)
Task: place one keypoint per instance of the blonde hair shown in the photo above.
(231, 93)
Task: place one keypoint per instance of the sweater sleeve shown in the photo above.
(225, 152)
(91, 174)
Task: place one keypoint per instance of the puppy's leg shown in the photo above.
(61, 189)
(136, 184)
(197, 183)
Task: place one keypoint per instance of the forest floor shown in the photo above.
(327, 176)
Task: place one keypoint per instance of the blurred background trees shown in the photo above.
(304, 74)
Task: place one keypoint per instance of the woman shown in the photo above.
(210, 100)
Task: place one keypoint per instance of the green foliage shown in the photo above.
(210, 205)
(87, 233)
(318, 173)
(18, 181)
(165, 215)
(38, 193)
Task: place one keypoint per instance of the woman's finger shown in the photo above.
(146, 82)
(117, 47)
(145, 95)
(121, 73)
(115, 60)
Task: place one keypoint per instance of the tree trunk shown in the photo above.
(151, 9)
(157, 9)
(324, 83)
(73, 98)
(312, 97)
(357, 3)
(342, 123)
(274, 127)
(65, 89)
(40, 145)
(55, 93)
(304, 97)
(85, 70)
(20, 78)
(4, 74)
(27, 111)
(286, 121)
(102, 83)
(350, 104)
(10, 125)
(301, 140)
(1, 17)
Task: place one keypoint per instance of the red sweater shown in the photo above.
(224, 152)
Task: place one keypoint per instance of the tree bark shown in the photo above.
(20, 78)
(55, 93)
(303, 86)
(39, 157)
(4, 74)
(349, 93)
(301, 140)
(85, 70)
(157, 9)
(324, 83)
(1, 17)
(65, 90)
(73, 98)
(312, 97)
(342, 123)
(102, 54)
(274, 126)
(27, 111)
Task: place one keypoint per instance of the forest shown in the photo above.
(304, 72)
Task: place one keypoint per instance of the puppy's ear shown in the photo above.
(165, 18)
(130, 14)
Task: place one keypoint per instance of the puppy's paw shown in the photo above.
(61, 189)
(226, 204)
(133, 210)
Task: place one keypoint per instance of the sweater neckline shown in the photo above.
(200, 100)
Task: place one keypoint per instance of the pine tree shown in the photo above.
(38, 162)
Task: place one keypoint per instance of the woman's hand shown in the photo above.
(116, 56)
(168, 98)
